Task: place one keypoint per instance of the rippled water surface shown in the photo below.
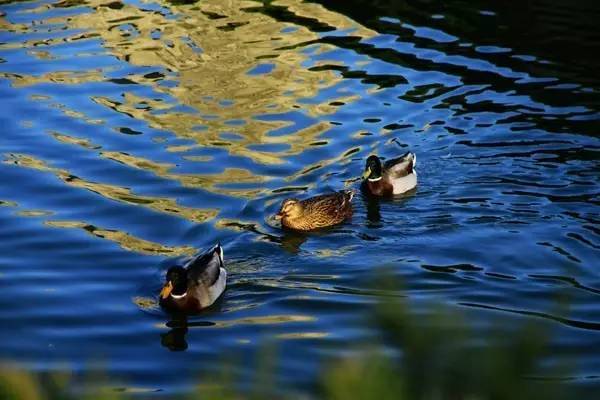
(138, 131)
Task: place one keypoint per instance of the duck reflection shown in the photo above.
(372, 205)
(174, 339)
(292, 240)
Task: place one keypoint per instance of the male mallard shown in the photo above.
(197, 284)
(397, 176)
(316, 212)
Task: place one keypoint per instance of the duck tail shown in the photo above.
(349, 194)
(218, 248)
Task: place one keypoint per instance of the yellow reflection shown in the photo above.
(73, 140)
(124, 195)
(211, 60)
(264, 320)
(302, 335)
(205, 72)
(207, 182)
(338, 252)
(145, 303)
(125, 240)
(34, 213)
(63, 77)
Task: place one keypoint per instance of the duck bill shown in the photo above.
(367, 173)
(166, 290)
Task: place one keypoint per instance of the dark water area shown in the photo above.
(136, 132)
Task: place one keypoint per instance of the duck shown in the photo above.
(396, 176)
(316, 212)
(195, 285)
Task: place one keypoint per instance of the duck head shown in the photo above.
(176, 285)
(372, 168)
(290, 208)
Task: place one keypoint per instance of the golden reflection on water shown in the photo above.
(260, 320)
(125, 240)
(62, 77)
(207, 182)
(113, 192)
(212, 62)
(212, 58)
(73, 140)
(146, 303)
(205, 57)
(339, 252)
(34, 213)
(8, 203)
(302, 335)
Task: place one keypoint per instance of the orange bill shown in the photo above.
(166, 290)
(367, 173)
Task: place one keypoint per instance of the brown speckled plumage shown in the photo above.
(317, 212)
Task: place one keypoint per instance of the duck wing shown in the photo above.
(204, 270)
(328, 203)
(400, 166)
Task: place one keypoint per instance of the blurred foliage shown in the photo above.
(434, 357)
(418, 357)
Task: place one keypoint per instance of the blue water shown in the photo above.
(136, 133)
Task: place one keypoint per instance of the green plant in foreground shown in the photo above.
(433, 357)
(419, 358)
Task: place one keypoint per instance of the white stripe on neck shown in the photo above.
(178, 296)
(375, 179)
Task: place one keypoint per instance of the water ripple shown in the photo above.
(136, 133)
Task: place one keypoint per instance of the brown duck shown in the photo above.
(197, 284)
(317, 212)
(396, 176)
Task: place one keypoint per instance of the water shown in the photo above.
(135, 132)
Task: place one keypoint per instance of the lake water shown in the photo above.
(136, 132)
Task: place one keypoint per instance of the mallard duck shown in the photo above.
(397, 175)
(197, 284)
(316, 212)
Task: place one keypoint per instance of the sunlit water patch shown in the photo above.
(138, 132)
